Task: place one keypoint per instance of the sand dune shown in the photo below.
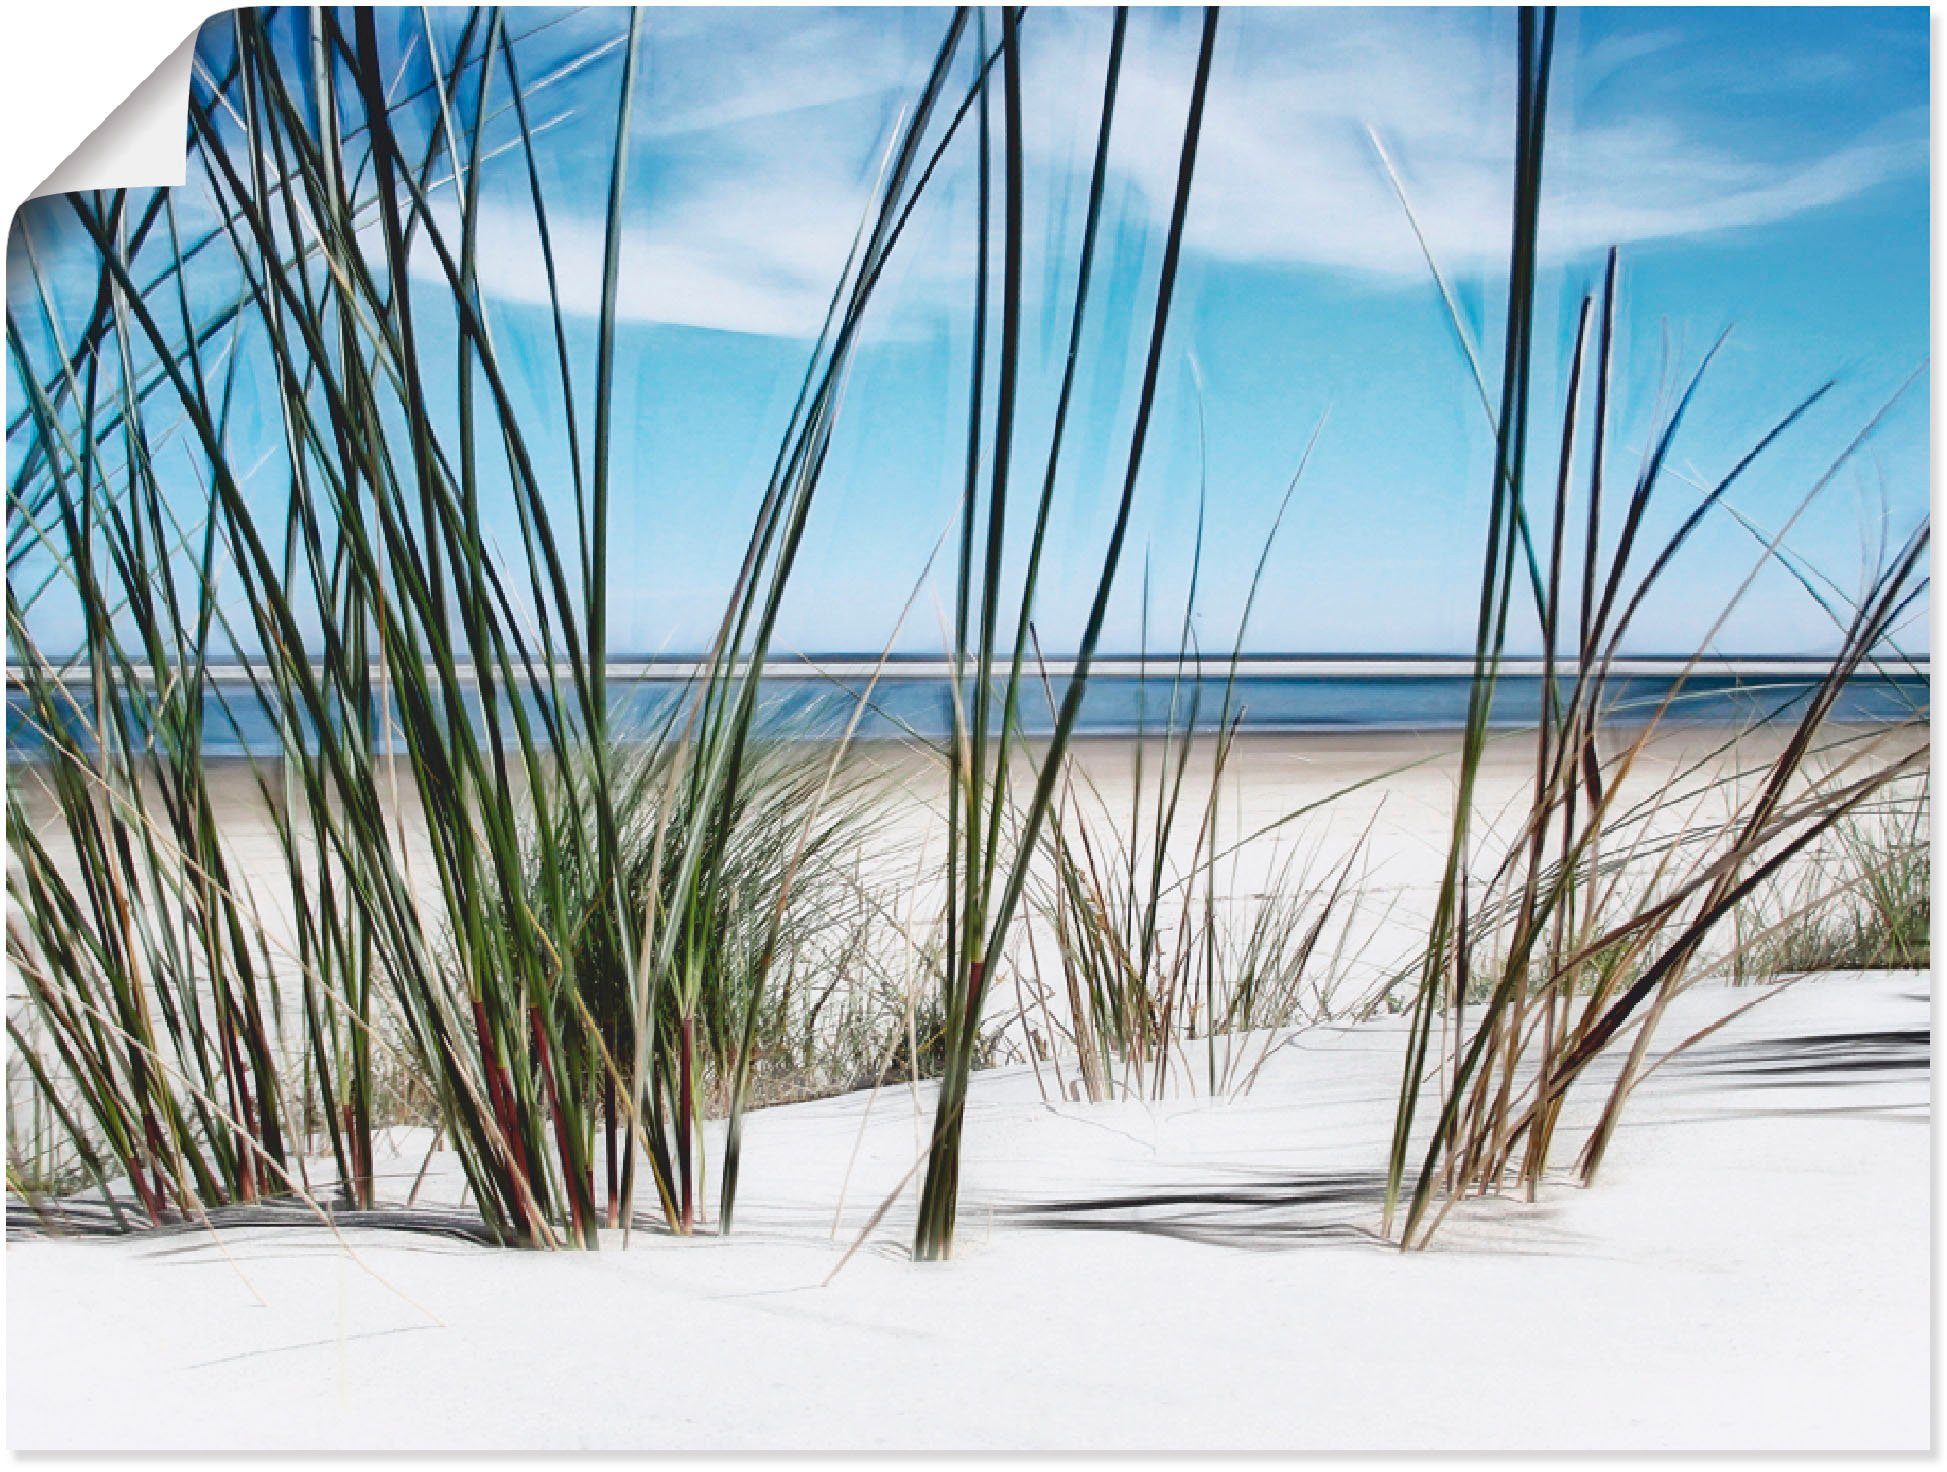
(1750, 1273)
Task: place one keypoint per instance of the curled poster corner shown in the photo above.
(141, 143)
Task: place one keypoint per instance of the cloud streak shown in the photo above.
(758, 133)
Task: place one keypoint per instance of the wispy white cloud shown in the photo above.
(754, 139)
(1287, 173)
(729, 257)
(758, 131)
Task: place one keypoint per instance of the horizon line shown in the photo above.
(231, 669)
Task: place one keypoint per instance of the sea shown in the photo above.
(912, 698)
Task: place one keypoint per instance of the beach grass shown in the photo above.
(1862, 902)
(1568, 941)
(399, 657)
(1154, 939)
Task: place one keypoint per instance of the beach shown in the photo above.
(1176, 1270)
(967, 731)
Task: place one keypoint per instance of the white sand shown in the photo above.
(1751, 1271)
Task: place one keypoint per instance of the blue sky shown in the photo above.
(1763, 171)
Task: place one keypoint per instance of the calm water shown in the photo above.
(1120, 704)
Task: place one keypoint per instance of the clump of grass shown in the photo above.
(1151, 954)
(1570, 940)
(855, 1032)
(1152, 969)
(513, 959)
(784, 901)
(1862, 903)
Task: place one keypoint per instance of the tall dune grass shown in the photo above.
(1155, 943)
(1565, 944)
(542, 989)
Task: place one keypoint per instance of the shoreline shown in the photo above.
(1346, 739)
